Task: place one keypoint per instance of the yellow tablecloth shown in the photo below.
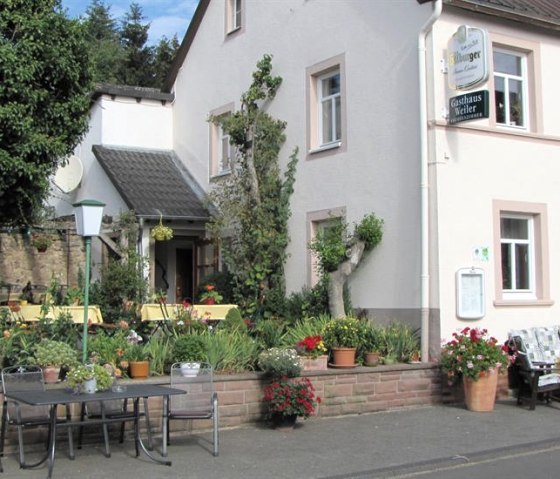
(32, 312)
(215, 312)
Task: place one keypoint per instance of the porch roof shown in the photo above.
(153, 182)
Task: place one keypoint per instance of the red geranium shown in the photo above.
(290, 397)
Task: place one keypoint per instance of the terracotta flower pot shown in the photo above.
(139, 369)
(343, 357)
(371, 358)
(480, 395)
(314, 364)
(51, 374)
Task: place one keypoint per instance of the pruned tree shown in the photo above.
(45, 86)
(340, 253)
(253, 203)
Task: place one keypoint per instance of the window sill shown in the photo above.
(523, 302)
(328, 146)
(221, 174)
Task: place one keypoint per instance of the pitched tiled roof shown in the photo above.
(544, 13)
(153, 182)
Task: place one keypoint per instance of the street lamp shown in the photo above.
(88, 215)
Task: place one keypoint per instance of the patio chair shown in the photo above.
(200, 402)
(112, 410)
(22, 416)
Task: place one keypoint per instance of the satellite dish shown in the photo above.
(68, 177)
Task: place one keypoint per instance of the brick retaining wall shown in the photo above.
(355, 391)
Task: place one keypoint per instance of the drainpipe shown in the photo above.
(424, 187)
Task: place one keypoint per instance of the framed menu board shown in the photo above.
(470, 293)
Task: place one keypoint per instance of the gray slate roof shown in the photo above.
(153, 182)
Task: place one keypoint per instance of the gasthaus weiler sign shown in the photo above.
(470, 106)
(467, 58)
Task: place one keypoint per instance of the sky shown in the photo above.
(166, 17)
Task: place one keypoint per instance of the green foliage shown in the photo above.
(54, 353)
(108, 347)
(62, 328)
(280, 362)
(45, 86)
(231, 351)
(309, 326)
(330, 244)
(370, 231)
(84, 372)
(122, 284)
(310, 302)
(233, 321)
(269, 332)
(400, 342)
(159, 349)
(252, 204)
(342, 333)
(189, 348)
(136, 352)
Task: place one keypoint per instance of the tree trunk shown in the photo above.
(338, 278)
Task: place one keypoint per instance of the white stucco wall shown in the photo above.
(378, 170)
(474, 163)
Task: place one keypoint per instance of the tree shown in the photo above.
(136, 67)
(253, 202)
(164, 54)
(104, 41)
(340, 253)
(45, 86)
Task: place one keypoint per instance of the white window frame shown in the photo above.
(216, 164)
(316, 146)
(329, 101)
(224, 164)
(507, 78)
(234, 15)
(515, 293)
(539, 294)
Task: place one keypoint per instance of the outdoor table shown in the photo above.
(159, 312)
(32, 312)
(54, 397)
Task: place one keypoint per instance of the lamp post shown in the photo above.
(88, 215)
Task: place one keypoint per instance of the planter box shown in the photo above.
(318, 364)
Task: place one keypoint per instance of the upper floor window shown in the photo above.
(234, 15)
(222, 153)
(326, 107)
(328, 91)
(510, 88)
(226, 152)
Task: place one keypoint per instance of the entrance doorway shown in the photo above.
(184, 275)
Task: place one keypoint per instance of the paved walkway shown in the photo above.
(384, 444)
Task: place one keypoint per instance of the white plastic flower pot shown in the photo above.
(190, 369)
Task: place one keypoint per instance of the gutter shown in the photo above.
(424, 185)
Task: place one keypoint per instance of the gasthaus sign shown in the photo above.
(467, 58)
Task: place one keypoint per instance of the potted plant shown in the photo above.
(342, 337)
(477, 359)
(312, 351)
(210, 295)
(41, 242)
(189, 350)
(138, 361)
(287, 399)
(89, 378)
(161, 232)
(280, 362)
(370, 343)
(51, 356)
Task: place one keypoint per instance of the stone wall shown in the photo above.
(342, 392)
(20, 261)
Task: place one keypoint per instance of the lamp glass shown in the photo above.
(89, 214)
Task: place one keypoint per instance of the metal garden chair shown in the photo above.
(22, 416)
(200, 402)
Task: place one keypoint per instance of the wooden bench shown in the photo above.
(535, 370)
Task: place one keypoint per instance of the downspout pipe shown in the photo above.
(424, 183)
